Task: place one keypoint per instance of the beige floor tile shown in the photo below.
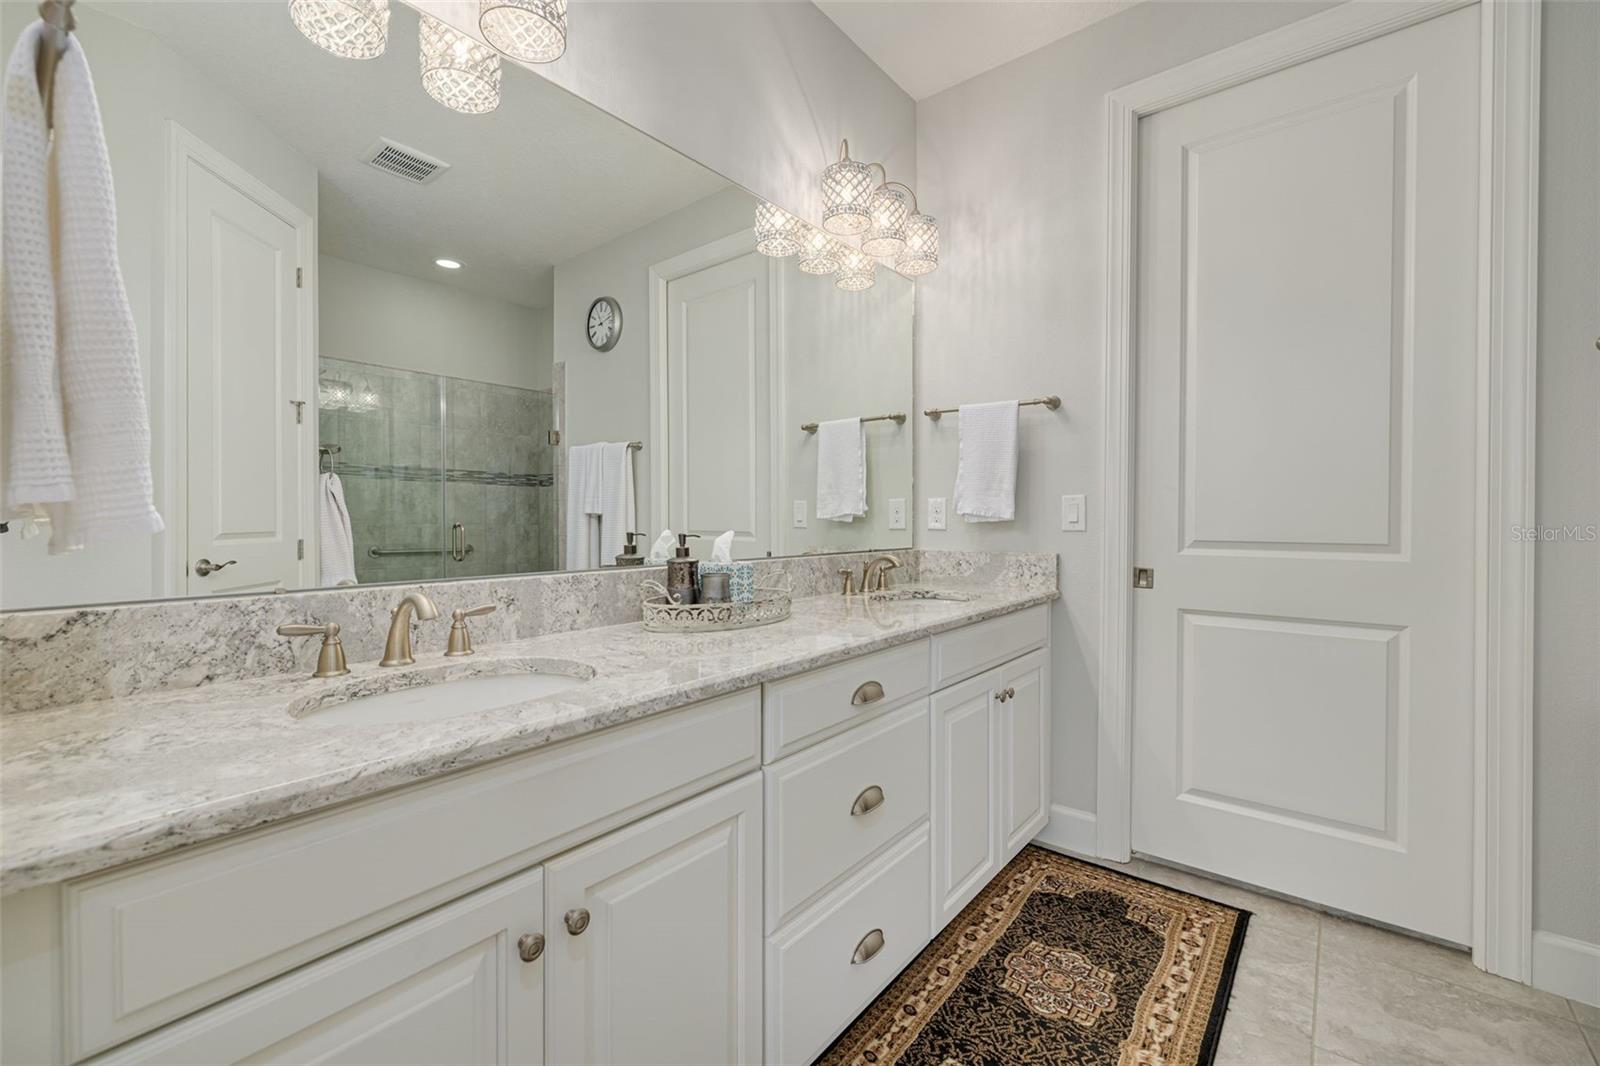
(1345, 939)
(1587, 1014)
(1248, 1040)
(1593, 1036)
(1265, 911)
(1321, 1056)
(1277, 978)
(1377, 1013)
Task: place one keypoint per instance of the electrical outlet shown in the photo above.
(935, 512)
(1073, 516)
(799, 514)
(897, 514)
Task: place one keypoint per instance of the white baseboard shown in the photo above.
(1562, 965)
(1069, 829)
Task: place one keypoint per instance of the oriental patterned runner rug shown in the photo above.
(1060, 962)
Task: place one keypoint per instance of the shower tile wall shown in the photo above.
(397, 442)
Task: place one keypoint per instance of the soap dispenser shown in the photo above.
(630, 551)
(682, 572)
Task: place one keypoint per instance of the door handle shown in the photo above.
(205, 567)
(871, 799)
(530, 946)
(458, 541)
(867, 692)
(869, 946)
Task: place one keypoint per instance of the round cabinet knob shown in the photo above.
(530, 946)
(577, 920)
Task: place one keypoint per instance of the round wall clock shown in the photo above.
(605, 324)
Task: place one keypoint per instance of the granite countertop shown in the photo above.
(89, 786)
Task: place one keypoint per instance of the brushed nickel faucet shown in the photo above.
(330, 660)
(397, 648)
(875, 576)
(460, 642)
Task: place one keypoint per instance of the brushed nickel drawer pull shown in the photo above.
(870, 945)
(871, 799)
(577, 920)
(530, 946)
(867, 692)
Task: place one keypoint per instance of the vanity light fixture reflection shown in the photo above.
(534, 31)
(819, 253)
(777, 231)
(349, 29)
(857, 271)
(448, 264)
(459, 71)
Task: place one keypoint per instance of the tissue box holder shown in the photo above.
(741, 579)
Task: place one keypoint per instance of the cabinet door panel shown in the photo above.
(448, 986)
(1024, 731)
(965, 855)
(668, 969)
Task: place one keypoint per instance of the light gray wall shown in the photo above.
(762, 93)
(1566, 732)
(375, 316)
(1014, 163)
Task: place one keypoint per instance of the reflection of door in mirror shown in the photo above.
(244, 367)
(719, 397)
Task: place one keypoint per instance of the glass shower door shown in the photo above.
(388, 428)
(499, 495)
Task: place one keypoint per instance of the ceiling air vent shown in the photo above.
(403, 162)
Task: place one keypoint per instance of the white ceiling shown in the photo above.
(926, 46)
(543, 178)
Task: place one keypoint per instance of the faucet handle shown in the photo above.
(460, 642)
(330, 660)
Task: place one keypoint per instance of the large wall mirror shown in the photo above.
(330, 272)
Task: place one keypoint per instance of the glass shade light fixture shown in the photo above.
(819, 253)
(349, 29)
(921, 254)
(857, 271)
(459, 71)
(847, 189)
(777, 231)
(534, 31)
(890, 211)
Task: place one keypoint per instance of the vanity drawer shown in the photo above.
(803, 710)
(832, 806)
(961, 653)
(814, 988)
(148, 943)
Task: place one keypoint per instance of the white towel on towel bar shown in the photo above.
(336, 551)
(615, 500)
(841, 470)
(78, 430)
(986, 472)
(583, 501)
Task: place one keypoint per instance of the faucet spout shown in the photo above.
(397, 648)
(875, 577)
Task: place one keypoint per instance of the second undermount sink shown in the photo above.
(444, 691)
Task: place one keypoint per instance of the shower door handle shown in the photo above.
(458, 541)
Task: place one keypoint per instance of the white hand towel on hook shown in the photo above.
(336, 553)
(841, 470)
(78, 438)
(986, 473)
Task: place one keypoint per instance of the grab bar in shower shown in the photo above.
(378, 553)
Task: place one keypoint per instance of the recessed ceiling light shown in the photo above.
(448, 264)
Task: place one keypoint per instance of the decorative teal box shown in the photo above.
(741, 579)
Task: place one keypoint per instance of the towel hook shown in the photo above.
(59, 22)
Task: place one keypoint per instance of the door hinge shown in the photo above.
(299, 410)
(299, 277)
(553, 437)
(1144, 577)
(300, 548)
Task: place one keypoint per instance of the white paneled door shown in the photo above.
(719, 401)
(1307, 324)
(243, 338)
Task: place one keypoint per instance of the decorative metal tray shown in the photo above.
(662, 614)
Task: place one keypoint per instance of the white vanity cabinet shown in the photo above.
(655, 938)
(729, 882)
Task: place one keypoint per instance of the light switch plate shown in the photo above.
(935, 512)
(1074, 518)
(800, 511)
(897, 514)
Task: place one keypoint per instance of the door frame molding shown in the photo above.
(170, 390)
(1502, 923)
(694, 260)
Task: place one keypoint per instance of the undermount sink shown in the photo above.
(445, 691)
